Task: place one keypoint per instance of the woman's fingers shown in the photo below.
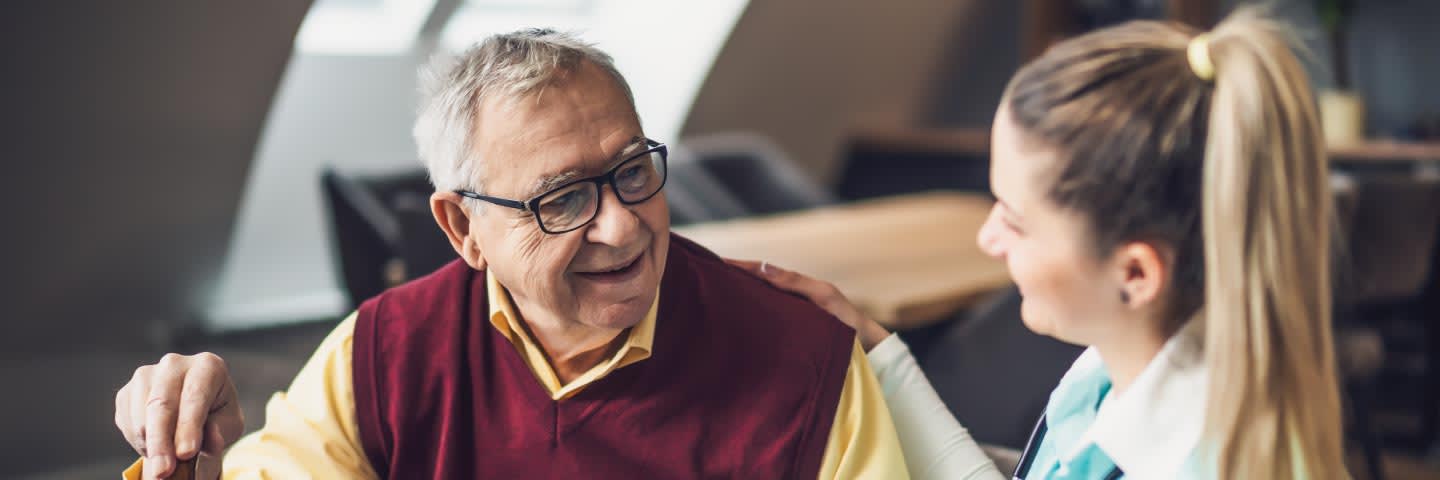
(819, 292)
(747, 265)
(822, 294)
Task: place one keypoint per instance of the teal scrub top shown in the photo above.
(1071, 411)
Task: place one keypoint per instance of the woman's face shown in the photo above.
(1067, 293)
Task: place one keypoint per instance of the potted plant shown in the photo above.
(1342, 110)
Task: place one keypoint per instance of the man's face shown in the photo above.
(605, 274)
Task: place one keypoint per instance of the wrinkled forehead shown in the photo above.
(578, 126)
(545, 169)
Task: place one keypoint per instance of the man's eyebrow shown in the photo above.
(637, 143)
(550, 182)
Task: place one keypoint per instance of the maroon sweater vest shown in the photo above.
(743, 382)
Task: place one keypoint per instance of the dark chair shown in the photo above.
(994, 373)
(693, 194)
(363, 233)
(423, 246)
(382, 230)
(889, 162)
(1392, 290)
(756, 172)
(1359, 349)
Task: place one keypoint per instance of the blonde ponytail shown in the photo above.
(1274, 408)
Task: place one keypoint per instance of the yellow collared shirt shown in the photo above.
(311, 432)
(637, 345)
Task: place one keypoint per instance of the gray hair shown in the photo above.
(452, 89)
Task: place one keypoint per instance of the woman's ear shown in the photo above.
(1142, 271)
(454, 219)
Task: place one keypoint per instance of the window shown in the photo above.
(479, 18)
(362, 27)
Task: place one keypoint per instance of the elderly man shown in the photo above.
(575, 337)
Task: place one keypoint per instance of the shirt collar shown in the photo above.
(1153, 428)
(639, 342)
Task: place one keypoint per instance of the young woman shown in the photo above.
(1163, 200)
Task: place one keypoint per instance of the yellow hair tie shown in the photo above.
(1199, 53)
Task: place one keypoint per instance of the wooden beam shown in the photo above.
(1043, 23)
(1203, 14)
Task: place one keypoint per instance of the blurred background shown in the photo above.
(236, 176)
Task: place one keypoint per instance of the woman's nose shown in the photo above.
(992, 237)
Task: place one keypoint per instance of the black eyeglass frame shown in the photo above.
(608, 178)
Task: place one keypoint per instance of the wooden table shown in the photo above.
(907, 261)
(968, 142)
(1387, 151)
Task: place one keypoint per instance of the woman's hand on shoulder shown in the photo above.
(822, 294)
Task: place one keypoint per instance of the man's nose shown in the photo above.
(615, 225)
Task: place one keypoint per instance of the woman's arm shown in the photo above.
(935, 444)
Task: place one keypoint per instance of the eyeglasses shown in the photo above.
(575, 204)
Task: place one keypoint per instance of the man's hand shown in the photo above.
(171, 410)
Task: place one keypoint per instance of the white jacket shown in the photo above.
(1151, 430)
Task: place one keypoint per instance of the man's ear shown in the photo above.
(1143, 272)
(454, 219)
